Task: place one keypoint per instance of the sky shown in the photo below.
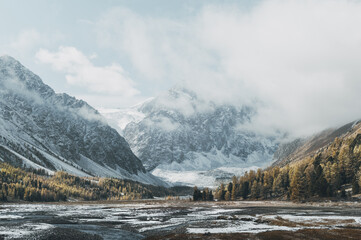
(91, 49)
(300, 60)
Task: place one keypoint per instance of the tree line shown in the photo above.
(18, 184)
(205, 195)
(327, 174)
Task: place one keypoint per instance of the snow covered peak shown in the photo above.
(14, 76)
(8, 59)
(8, 63)
(180, 91)
(178, 101)
(181, 131)
(48, 130)
(181, 134)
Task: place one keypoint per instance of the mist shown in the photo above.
(300, 61)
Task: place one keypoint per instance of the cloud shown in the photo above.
(29, 39)
(158, 48)
(300, 60)
(80, 71)
(163, 123)
(11, 82)
(131, 32)
(26, 39)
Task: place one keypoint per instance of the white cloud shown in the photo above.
(80, 71)
(131, 33)
(29, 39)
(26, 39)
(162, 122)
(302, 59)
(158, 48)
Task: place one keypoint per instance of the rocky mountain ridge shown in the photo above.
(181, 134)
(42, 129)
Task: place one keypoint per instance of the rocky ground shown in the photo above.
(181, 220)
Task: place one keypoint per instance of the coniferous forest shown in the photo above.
(205, 195)
(35, 185)
(333, 172)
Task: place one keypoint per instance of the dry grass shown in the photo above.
(311, 234)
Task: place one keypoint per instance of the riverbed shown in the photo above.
(150, 219)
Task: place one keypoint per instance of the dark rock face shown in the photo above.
(34, 119)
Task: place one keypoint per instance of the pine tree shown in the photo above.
(310, 179)
(233, 193)
(297, 184)
(197, 195)
(227, 196)
(245, 189)
(266, 189)
(358, 176)
(255, 190)
(355, 186)
(210, 197)
(221, 193)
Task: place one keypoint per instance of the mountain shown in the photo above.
(186, 139)
(299, 149)
(42, 129)
(119, 118)
(324, 166)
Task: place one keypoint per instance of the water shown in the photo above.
(132, 221)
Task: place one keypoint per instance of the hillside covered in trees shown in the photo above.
(333, 171)
(33, 185)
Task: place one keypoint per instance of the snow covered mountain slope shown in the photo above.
(181, 134)
(118, 118)
(42, 129)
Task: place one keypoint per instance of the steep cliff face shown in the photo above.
(42, 129)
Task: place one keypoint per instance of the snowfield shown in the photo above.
(210, 179)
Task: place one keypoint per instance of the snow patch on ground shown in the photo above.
(119, 172)
(189, 178)
(242, 227)
(63, 165)
(313, 219)
(149, 178)
(216, 159)
(162, 217)
(10, 217)
(211, 178)
(208, 169)
(24, 229)
(27, 162)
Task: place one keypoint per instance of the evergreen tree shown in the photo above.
(233, 193)
(210, 197)
(245, 189)
(255, 190)
(227, 196)
(355, 186)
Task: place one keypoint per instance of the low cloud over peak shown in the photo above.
(79, 71)
(300, 59)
